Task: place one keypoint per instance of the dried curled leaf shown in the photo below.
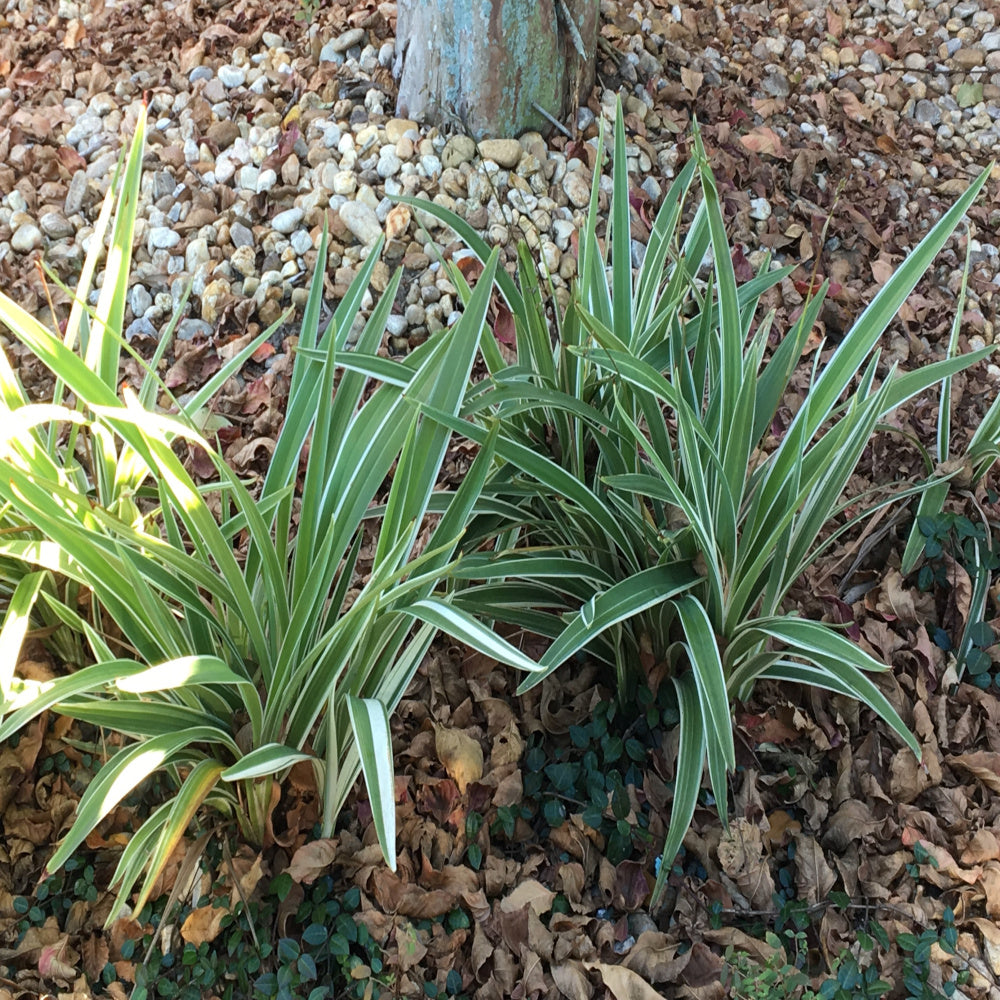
(461, 755)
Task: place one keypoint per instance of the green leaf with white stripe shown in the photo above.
(370, 723)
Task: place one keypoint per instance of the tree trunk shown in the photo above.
(484, 65)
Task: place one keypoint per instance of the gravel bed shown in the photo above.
(258, 134)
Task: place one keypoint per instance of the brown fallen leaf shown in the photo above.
(945, 869)
(692, 80)
(461, 755)
(741, 855)
(312, 859)
(624, 983)
(983, 846)
(814, 878)
(571, 981)
(763, 141)
(531, 894)
(53, 964)
(654, 957)
(882, 271)
(95, 953)
(507, 746)
(410, 949)
(981, 764)
(75, 33)
(203, 924)
(990, 882)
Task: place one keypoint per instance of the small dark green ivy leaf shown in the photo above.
(306, 965)
(977, 662)
(475, 855)
(339, 946)
(980, 634)
(288, 950)
(555, 813)
(314, 935)
(281, 885)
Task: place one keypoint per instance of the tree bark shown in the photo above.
(484, 65)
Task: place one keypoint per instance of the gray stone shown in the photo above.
(190, 328)
(163, 184)
(431, 165)
(84, 127)
(301, 242)
(232, 76)
(141, 327)
(287, 221)
(871, 60)
(55, 225)
(76, 192)
(760, 208)
(162, 238)
(776, 84)
(563, 230)
(927, 113)
(103, 166)
(396, 325)
(266, 180)
(242, 236)
(577, 188)
(200, 73)
(330, 53)
(361, 220)
(27, 237)
(350, 38)
(196, 253)
(389, 163)
(139, 300)
(991, 41)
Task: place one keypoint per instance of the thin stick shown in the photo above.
(552, 121)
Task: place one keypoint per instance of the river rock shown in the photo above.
(505, 152)
(459, 149)
(27, 237)
(361, 220)
(287, 221)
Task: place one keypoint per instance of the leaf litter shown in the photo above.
(825, 802)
